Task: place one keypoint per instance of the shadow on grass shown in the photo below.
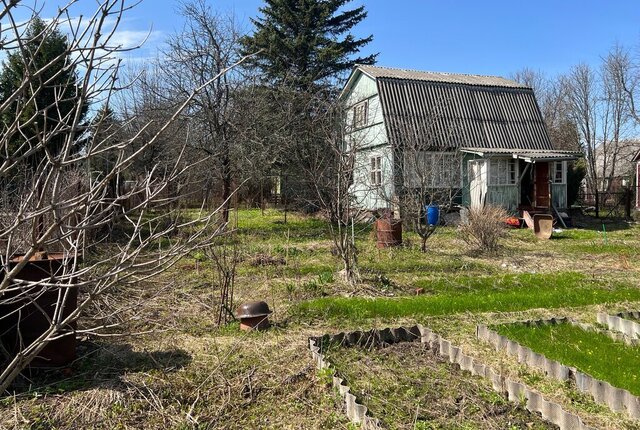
(97, 366)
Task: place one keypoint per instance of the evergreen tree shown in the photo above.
(47, 104)
(304, 44)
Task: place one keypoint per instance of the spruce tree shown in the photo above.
(305, 44)
(48, 101)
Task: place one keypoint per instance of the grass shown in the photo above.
(591, 352)
(507, 293)
(407, 387)
(222, 378)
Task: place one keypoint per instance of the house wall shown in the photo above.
(366, 194)
(507, 196)
(559, 195)
(369, 141)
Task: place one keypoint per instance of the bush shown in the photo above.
(484, 227)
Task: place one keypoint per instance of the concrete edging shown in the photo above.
(617, 399)
(516, 392)
(620, 323)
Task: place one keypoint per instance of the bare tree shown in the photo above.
(206, 46)
(57, 207)
(599, 104)
(430, 176)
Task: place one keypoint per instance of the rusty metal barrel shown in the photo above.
(388, 232)
(25, 311)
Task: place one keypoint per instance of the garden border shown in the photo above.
(617, 399)
(515, 391)
(620, 323)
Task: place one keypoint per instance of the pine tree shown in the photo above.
(305, 44)
(49, 100)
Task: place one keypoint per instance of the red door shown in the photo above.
(542, 185)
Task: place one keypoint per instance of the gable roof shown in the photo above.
(455, 110)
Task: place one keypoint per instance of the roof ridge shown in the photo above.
(401, 69)
(383, 72)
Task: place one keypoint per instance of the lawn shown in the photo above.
(453, 295)
(185, 372)
(590, 352)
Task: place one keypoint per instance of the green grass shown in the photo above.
(508, 293)
(591, 352)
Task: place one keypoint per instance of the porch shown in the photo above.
(518, 180)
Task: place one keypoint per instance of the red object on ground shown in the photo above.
(513, 222)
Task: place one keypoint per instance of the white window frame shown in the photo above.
(375, 170)
(563, 172)
(447, 159)
(361, 114)
(506, 171)
(426, 161)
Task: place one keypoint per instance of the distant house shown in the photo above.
(615, 168)
(486, 134)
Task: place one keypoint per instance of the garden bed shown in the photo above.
(446, 359)
(407, 386)
(598, 363)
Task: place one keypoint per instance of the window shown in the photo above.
(433, 169)
(558, 172)
(360, 114)
(503, 171)
(376, 171)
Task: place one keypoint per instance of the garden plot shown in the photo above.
(598, 363)
(407, 386)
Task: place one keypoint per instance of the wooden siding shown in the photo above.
(559, 195)
(506, 196)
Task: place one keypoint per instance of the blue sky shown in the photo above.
(484, 37)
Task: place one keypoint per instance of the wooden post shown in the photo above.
(627, 202)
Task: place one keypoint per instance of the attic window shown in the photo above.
(360, 113)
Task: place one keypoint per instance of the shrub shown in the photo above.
(484, 227)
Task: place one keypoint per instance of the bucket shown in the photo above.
(388, 232)
(433, 214)
(24, 313)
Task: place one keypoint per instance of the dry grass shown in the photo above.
(190, 374)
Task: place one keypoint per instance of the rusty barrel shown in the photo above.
(25, 311)
(388, 232)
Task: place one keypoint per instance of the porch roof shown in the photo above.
(528, 155)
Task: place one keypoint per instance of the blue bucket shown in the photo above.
(433, 214)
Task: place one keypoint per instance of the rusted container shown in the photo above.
(388, 232)
(25, 312)
(253, 316)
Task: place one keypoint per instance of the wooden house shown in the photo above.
(486, 134)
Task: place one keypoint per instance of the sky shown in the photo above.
(494, 37)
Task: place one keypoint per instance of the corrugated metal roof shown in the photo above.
(525, 154)
(452, 111)
(453, 78)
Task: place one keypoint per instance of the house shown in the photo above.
(483, 135)
(615, 166)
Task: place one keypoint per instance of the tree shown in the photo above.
(207, 45)
(61, 209)
(304, 47)
(306, 44)
(44, 102)
(600, 106)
